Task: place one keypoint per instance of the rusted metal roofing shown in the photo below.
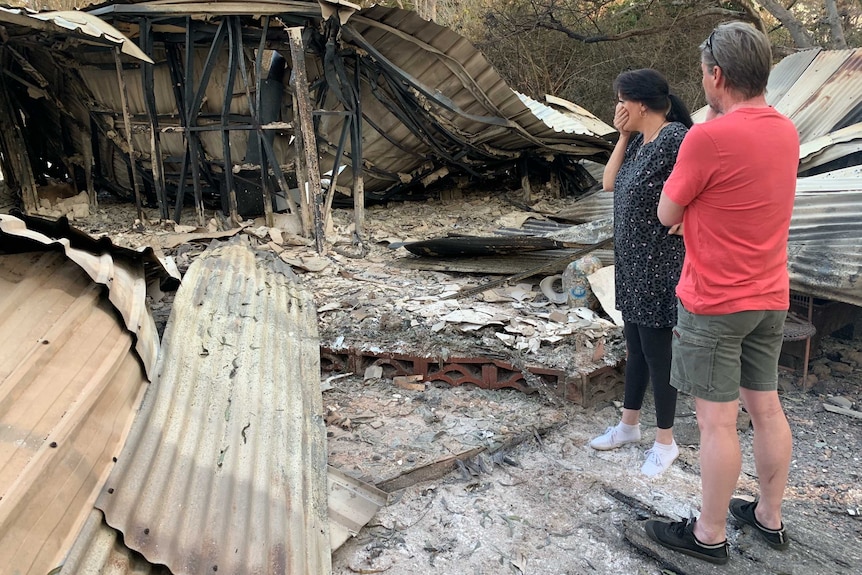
(225, 467)
(99, 550)
(70, 384)
(825, 95)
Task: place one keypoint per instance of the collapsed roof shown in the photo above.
(218, 108)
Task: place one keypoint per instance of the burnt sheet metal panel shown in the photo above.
(85, 27)
(476, 102)
(572, 119)
(595, 205)
(70, 384)
(352, 504)
(99, 549)
(121, 270)
(225, 467)
(825, 248)
(102, 83)
(833, 146)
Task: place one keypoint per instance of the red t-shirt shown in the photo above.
(736, 177)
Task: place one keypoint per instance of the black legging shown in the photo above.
(649, 355)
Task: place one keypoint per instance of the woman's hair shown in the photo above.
(650, 88)
(744, 55)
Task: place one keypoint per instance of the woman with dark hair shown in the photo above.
(647, 255)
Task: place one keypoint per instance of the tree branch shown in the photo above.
(551, 23)
(801, 36)
(835, 28)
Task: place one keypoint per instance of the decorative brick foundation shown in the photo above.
(584, 388)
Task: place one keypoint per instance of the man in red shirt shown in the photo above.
(733, 189)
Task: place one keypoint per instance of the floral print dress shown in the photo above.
(647, 260)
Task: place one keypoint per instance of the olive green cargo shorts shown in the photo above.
(715, 355)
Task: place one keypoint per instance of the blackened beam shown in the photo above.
(177, 81)
(258, 105)
(124, 102)
(147, 77)
(232, 62)
(356, 152)
(306, 124)
(218, 127)
(255, 110)
(193, 144)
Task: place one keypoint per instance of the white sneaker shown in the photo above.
(616, 436)
(659, 458)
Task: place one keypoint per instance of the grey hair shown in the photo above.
(744, 55)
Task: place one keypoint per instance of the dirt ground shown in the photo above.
(536, 500)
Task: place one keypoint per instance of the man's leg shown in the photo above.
(772, 452)
(720, 464)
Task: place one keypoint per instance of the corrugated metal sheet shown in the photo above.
(94, 27)
(825, 247)
(580, 116)
(831, 147)
(70, 383)
(124, 276)
(225, 468)
(825, 95)
(593, 206)
(821, 91)
(99, 550)
(437, 60)
(787, 72)
(81, 25)
(568, 122)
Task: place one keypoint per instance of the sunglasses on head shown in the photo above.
(708, 44)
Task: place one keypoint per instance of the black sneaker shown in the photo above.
(744, 512)
(679, 536)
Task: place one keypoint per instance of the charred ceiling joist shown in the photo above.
(396, 103)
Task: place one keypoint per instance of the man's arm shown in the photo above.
(669, 212)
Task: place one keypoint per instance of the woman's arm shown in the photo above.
(621, 116)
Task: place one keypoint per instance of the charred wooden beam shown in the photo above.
(158, 169)
(193, 144)
(310, 189)
(17, 168)
(233, 55)
(356, 155)
(124, 102)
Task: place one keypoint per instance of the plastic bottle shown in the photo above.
(575, 282)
